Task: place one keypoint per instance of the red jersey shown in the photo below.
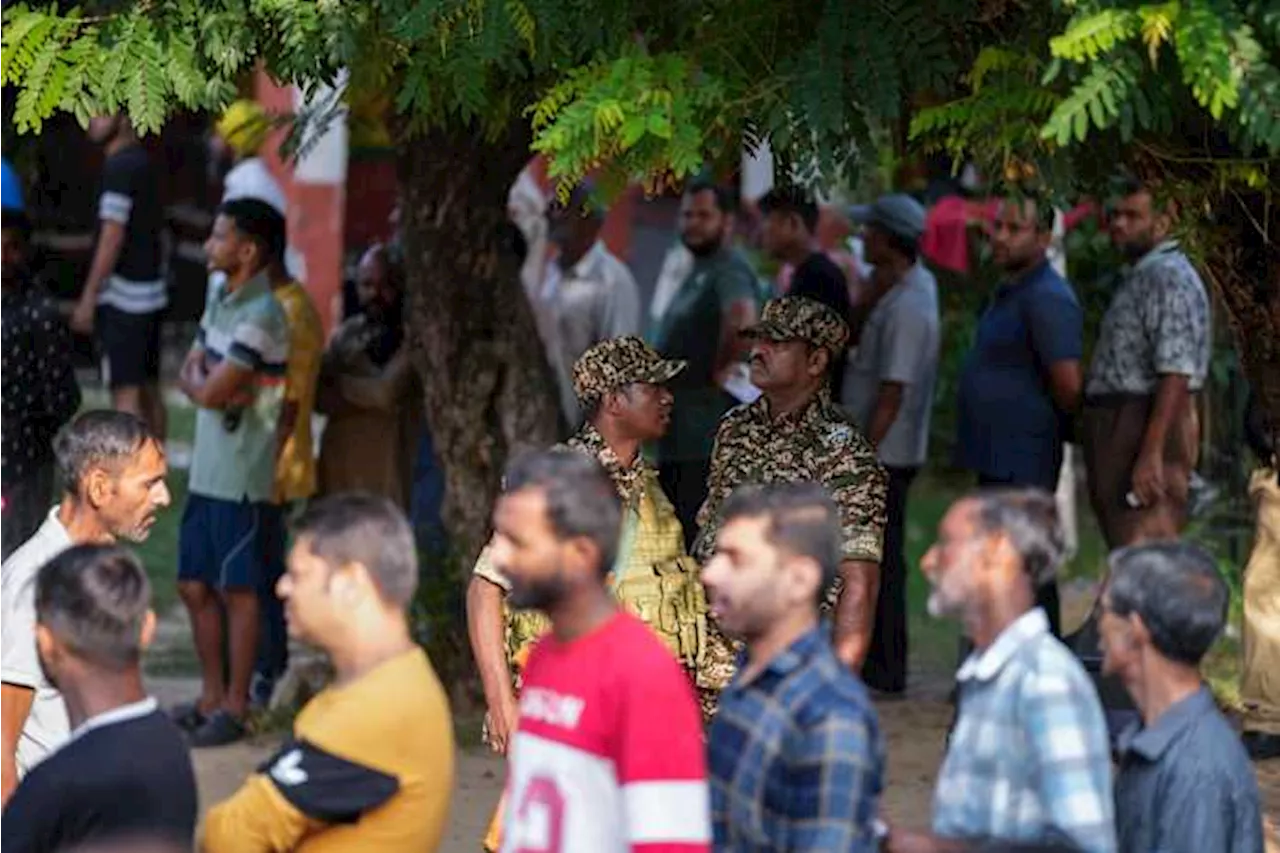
(608, 756)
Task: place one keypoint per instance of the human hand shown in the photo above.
(502, 723)
(1148, 478)
(82, 316)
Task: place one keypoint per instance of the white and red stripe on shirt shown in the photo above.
(609, 752)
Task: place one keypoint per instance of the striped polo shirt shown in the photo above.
(234, 455)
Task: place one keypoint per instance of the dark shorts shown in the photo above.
(130, 347)
(228, 545)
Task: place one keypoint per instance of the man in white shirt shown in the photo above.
(114, 469)
(587, 296)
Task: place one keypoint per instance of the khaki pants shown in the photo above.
(1260, 679)
(1114, 427)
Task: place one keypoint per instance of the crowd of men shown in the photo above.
(677, 656)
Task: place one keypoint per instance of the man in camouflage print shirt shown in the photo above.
(619, 384)
(792, 433)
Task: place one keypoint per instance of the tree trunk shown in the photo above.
(486, 385)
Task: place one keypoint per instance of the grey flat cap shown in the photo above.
(899, 214)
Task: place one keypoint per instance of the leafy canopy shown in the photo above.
(644, 90)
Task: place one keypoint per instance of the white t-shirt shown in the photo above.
(250, 178)
(47, 727)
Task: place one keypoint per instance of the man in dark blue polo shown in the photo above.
(1021, 382)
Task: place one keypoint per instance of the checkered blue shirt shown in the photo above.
(795, 757)
(1029, 759)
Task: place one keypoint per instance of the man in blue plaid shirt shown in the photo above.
(1029, 760)
(795, 755)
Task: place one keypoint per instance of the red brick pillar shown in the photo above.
(315, 188)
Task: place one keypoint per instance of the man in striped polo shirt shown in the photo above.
(235, 375)
(125, 295)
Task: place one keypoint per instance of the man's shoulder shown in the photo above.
(1046, 668)
(49, 540)
(739, 416)
(129, 163)
(839, 430)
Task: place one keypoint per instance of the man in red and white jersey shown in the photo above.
(608, 754)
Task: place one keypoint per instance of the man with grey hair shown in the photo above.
(1029, 759)
(1185, 781)
(112, 469)
(810, 779)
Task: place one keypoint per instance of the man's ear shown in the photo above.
(584, 552)
(819, 359)
(1141, 634)
(46, 644)
(98, 487)
(148, 632)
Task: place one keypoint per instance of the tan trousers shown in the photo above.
(1260, 679)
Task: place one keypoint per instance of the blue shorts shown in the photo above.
(228, 545)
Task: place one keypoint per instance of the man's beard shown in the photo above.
(704, 250)
(540, 595)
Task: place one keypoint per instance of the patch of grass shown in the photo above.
(160, 552)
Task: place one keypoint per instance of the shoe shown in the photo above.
(1261, 746)
(261, 689)
(220, 729)
(187, 716)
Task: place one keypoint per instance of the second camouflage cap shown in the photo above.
(617, 362)
(797, 318)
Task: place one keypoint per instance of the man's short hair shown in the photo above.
(1177, 590)
(12, 219)
(725, 200)
(1029, 519)
(98, 439)
(357, 527)
(1044, 207)
(803, 521)
(94, 599)
(786, 200)
(581, 498)
(260, 222)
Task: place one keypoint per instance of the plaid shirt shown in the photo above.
(1029, 759)
(795, 757)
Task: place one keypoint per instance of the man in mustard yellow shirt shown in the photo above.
(371, 760)
(295, 466)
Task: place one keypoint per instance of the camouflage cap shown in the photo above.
(617, 362)
(798, 318)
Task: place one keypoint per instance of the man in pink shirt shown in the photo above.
(608, 754)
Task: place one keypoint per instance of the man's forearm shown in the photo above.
(105, 256)
(485, 630)
(855, 610)
(888, 404)
(1172, 394)
(15, 707)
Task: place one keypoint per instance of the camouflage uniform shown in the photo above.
(819, 442)
(653, 576)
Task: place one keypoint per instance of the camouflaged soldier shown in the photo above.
(792, 433)
(619, 384)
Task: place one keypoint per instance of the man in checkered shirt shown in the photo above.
(1029, 759)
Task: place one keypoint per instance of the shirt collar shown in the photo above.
(54, 528)
(255, 286)
(1150, 742)
(810, 411)
(629, 480)
(587, 263)
(122, 714)
(1026, 277)
(986, 665)
(1159, 251)
(789, 659)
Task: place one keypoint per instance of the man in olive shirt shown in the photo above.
(701, 327)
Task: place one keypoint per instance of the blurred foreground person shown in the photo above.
(370, 761)
(1185, 782)
(125, 768)
(609, 753)
(1030, 726)
(796, 757)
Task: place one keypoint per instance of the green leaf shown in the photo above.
(1094, 34)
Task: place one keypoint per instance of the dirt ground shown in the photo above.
(914, 729)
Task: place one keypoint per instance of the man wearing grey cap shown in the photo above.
(889, 391)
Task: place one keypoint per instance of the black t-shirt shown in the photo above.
(109, 782)
(819, 279)
(131, 195)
